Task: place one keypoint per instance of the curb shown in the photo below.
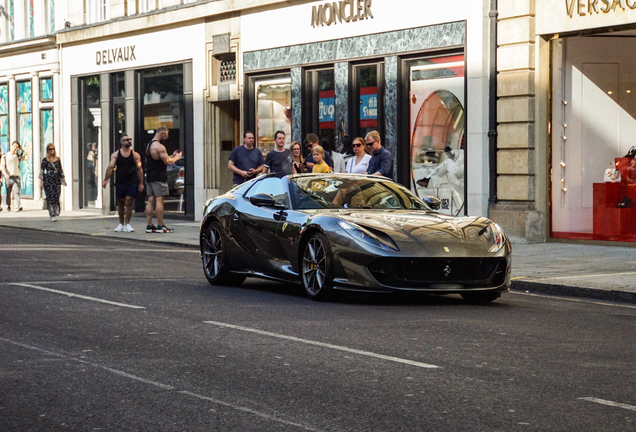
(573, 291)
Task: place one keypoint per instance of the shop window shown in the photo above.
(96, 11)
(319, 118)
(90, 141)
(163, 105)
(46, 89)
(46, 130)
(25, 135)
(49, 16)
(368, 88)
(437, 129)
(4, 118)
(272, 110)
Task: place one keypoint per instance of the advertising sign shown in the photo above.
(326, 109)
(368, 107)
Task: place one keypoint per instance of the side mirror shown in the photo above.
(262, 199)
(433, 202)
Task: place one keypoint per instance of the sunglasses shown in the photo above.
(356, 145)
(371, 143)
(50, 148)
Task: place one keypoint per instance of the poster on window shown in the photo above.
(438, 131)
(326, 109)
(368, 107)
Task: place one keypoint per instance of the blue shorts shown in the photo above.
(126, 190)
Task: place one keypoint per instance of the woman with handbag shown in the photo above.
(51, 178)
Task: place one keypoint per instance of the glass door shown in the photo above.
(319, 91)
(90, 139)
(368, 87)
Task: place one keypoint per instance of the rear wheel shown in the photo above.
(481, 297)
(214, 258)
(316, 268)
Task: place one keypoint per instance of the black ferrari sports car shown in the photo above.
(350, 232)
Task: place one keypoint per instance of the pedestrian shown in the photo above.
(381, 163)
(299, 161)
(128, 182)
(157, 160)
(359, 163)
(320, 166)
(10, 167)
(246, 161)
(51, 180)
(347, 149)
(311, 140)
(279, 160)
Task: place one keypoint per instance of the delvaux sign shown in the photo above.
(343, 11)
(115, 55)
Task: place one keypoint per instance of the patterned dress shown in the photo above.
(52, 178)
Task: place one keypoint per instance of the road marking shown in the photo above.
(324, 345)
(94, 249)
(165, 386)
(610, 403)
(68, 294)
(554, 297)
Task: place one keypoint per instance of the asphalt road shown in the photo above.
(114, 335)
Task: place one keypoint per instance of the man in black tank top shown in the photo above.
(157, 160)
(128, 182)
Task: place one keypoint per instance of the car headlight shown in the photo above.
(496, 234)
(363, 235)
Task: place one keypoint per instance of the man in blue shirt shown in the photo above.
(246, 161)
(381, 163)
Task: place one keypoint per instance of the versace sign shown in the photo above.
(585, 7)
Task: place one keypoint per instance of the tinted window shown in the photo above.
(272, 186)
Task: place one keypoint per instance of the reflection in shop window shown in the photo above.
(438, 133)
(273, 111)
(25, 136)
(4, 118)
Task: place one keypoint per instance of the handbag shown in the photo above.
(612, 175)
(631, 152)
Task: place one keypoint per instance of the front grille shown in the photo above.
(423, 272)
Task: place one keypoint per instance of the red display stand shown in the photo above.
(611, 222)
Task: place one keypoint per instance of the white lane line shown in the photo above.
(165, 386)
(94, 249)
(610, 403)
(324, 345)
(68, 294)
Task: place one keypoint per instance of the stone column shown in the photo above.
(516, 208)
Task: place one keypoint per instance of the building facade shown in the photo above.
(30, 102)
(566, 115)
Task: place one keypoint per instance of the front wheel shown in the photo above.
(214, 258)
(481, 297)
(317, 271)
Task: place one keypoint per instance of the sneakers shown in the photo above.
(163, 229)
(53, 219)
(119, 228)
(128, 228)
(19, 209)
(150, 228)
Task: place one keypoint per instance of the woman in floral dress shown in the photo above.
(52, 177)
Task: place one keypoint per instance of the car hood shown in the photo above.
(422, 230)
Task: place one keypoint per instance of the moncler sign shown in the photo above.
(341, 11)
(115, 55)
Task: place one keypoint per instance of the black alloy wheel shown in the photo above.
(316, 268)
(214, 258)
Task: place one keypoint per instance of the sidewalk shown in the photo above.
(605, 273)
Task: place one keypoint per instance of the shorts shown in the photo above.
(157, 189)
(126, 190)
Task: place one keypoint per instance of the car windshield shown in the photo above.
(351, 192)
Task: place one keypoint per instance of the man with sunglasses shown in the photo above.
(381, 163)
(129, 181)
(311, 141)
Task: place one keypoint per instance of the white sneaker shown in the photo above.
(53, 219)
(119, 228)
(128, 228)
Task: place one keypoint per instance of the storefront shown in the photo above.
(133, 85)
(592, 116)
(415, 73)
(29, 107)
